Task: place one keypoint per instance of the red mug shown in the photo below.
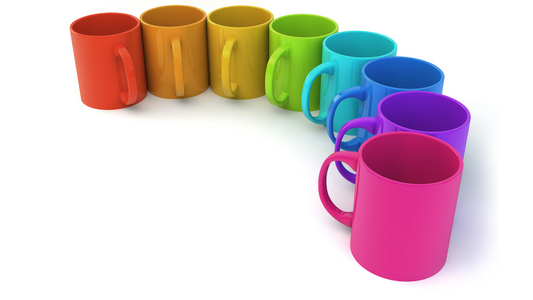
(109, 60)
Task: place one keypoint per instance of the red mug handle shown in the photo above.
(350, 158)
(128, 97)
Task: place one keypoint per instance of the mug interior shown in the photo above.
(104, 24)
(424, 111)
(240, 16)
(403, 72)
(409, 157)
(360, 44)
(172, 16)
(304, 26)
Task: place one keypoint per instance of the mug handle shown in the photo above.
(353, 92)
(367, 123)
(128, 97)
(281, 52)
(178, 67)
(325, 68)
(229, 88)
(352, 159)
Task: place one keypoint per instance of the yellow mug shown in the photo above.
(175, 51)
(238, 50)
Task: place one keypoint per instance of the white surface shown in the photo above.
(209, 198)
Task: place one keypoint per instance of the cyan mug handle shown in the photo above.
(367, 123)
(353, 92)
(281, 52)
(325, 68)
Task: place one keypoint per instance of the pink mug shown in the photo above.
(405, 196)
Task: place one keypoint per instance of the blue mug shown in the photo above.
(380, 78)
(343, 56)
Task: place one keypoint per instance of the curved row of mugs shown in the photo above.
(410, 138)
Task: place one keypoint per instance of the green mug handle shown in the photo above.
(281, 52)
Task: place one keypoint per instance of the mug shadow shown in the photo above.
(473, 227)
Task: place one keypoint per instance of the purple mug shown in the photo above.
(416, 111)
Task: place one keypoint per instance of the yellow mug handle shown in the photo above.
(229, 88)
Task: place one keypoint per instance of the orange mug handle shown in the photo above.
(128, 97)
(178, 67)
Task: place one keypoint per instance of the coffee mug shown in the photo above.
(295, 49)
(109, 60)
(429, 113)
(175, 51)
(343, 56)
(382, 77)
(238, 50)
(405, 197)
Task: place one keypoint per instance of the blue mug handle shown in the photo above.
(353, 92)
(325, 68)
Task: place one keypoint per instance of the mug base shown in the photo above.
(402, 275)
(240, 97)
(173, 96)
(116, 104)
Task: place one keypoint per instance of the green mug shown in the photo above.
(295, 48)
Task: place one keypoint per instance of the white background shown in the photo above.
(209, 198)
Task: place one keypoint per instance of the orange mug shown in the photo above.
(238, 50)
(175, 51)
(109, 60)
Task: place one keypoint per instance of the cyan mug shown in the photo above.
(382, 77)
(343, 56)
(424, 112)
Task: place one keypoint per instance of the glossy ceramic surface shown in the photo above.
(175, 48)
(404, 204)
(295, 49)
(424, 112)
(343, 56)
(238, 50)
(109, 60)
(382, 77)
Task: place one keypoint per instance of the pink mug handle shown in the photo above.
(350, 158)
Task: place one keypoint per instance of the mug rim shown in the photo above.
(456, 174)
(240, 27)
(305, 37)
(137, 25)
(331, 36)
(204, 16)
(365, 75)
(465, 123)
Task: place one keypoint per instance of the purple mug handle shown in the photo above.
(367, 123)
